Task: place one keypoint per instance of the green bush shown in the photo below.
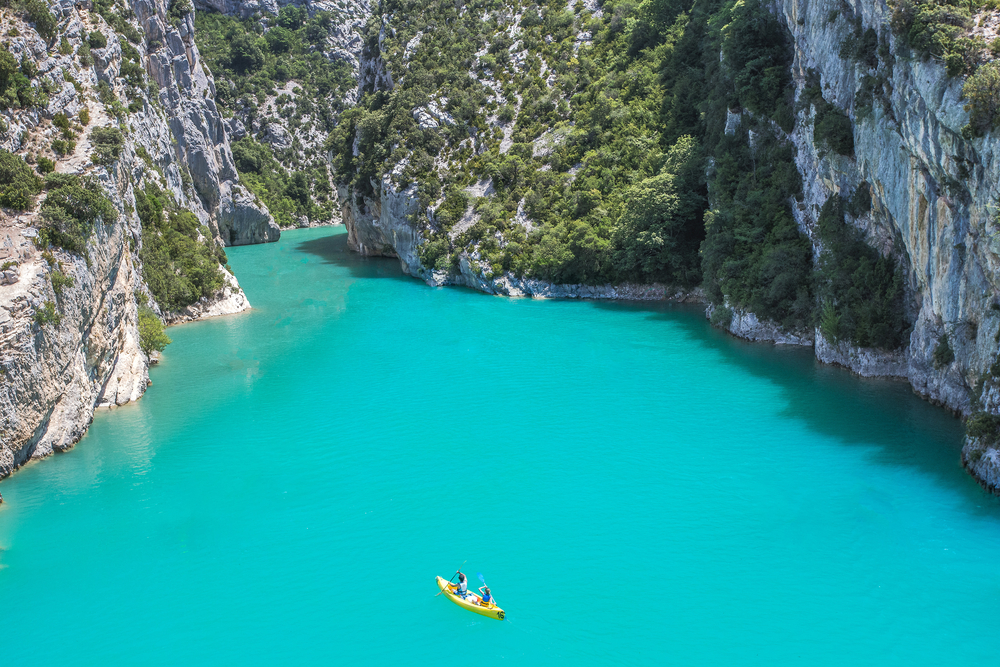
(97, 40)
(107, 143)
(47, 314)
(245, 54)
(16, 90)
(45, 165)
(982, 93)
(179, 9)
(63, 147)
(18, 185)
(117, 21)
(179, 268)
(151, 333)
(62, 122)
(833, 128)
(72, 206)
(60, 280)
(861, 291)
(939, 29)
(943, 354)
(84, 56)
(984, 426)
(133, 73)
(39, 14)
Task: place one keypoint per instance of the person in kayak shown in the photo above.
(485, 592)
(462, 587)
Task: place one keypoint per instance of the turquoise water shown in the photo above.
(636, 487)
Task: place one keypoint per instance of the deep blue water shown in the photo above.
(636, 487)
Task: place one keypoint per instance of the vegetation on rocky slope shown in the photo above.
(251, 59)
(72, 206)
(18, 184)
(595, 133)
(180, 260)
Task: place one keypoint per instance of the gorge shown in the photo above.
(810, 169)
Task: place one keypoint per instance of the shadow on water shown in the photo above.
(333, 249)
(904, 429)
(875, 413)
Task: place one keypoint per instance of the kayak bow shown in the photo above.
(471, 601)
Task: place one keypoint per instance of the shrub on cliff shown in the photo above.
(984, 426)
(97, 40)
(178, 10)
(16, 90)
(18, 185)
(943, 354)
(939, 29)
(107, 143)
(833, 128)
(47, 314)
(151, 333)
(38, 13)
(71, 208)
(862, 291)
(982, 93)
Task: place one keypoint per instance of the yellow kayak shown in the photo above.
(472, 602)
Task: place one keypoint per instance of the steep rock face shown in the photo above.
(54, 372)
(934, 196)
(932, 191)
(187, 96)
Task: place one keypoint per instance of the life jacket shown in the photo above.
(487, 598)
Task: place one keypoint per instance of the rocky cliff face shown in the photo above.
(934, 197)
(933, 192)
(54, 371)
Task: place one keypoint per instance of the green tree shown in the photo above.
(245, 55)
(280, 40)
(18, 185)
(151, 334)
(657, 237)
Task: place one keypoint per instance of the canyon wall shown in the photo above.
(57, 366)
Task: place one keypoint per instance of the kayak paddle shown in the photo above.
(452, 577)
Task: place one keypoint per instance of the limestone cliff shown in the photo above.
(57, 366)
(934, 197)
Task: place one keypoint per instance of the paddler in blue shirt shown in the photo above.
(485, 592)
